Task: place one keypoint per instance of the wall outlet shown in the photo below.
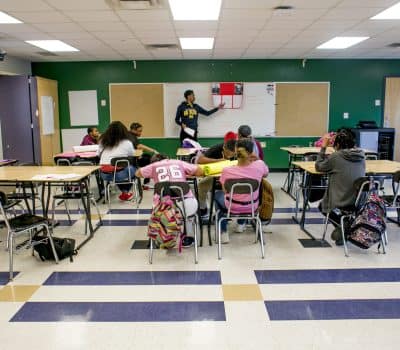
(345, 115)
(263, 144)
(103, 103)
(377, 103)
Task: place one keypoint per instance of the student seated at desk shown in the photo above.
(216, 153)
(115, 143)
(92, 137)
(163, 169)
(245, 169)
(135, 132)
(244, 132)
(344, 167)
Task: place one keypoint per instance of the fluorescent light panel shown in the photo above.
(392, 12)
(195, 10)
(7, 19)
(342, 42)
(52, 45)
(197, 43)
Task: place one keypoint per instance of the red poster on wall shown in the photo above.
(229, 93)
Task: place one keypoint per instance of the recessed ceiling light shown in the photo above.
(342, 42)
(197, 43)
(7, 19)
(283, 8)
(195, 10)
(52, 45)
(392, 12)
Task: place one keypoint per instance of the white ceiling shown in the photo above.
(246, 29)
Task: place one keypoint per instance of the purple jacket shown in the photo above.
(88, 140)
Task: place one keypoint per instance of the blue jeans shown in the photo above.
(219, 199)
(121, 176)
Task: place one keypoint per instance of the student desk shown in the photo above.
(4, 162)
(185, 154)
(87, 155)
(27, 174)
(373, 167)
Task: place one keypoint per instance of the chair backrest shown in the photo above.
(371, 156)
(363, 186)
(63, 162)
(241, 186)
(174, 189)
(123, 162)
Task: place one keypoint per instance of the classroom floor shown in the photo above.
(111, 298)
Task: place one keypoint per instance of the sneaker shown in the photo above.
(125, 196)
(146, 188)
(240, 228)
(224, 238)
(187, 242)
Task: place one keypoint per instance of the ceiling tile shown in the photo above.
(105, 35)
(367, 3)
(76, 35)
(58, 27)
(26, 5)
(245, 14)
(92, 16)
(313, 4)
(41, 17)
(101, 26)
(79, 4)
(144, 15)
(252, 4)
(17, 28)
(167, 54)
(197, 54)
(342, 13)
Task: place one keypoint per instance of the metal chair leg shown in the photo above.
(261, 238)
(325, 226)
(49, 235)
(346, 251)
(68, 212)
(11, 255)
(196, 223)
(151, 251)
(219, 223)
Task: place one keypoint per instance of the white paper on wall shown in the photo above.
(47, 108)
(83, 108)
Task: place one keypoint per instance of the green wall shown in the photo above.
(355, 85)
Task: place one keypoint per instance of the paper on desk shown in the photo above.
(55, 176)
(189, 131)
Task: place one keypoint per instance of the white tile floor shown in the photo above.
(247, 325)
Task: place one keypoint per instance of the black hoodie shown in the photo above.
(188, 113)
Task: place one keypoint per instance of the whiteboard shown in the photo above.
(83, 107)
(47, 108)
(258, 109)
(72, 137)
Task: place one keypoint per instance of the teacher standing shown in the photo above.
(187, 115)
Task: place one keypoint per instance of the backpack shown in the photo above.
(65, 248)
(166, 224)
(266, 206)
(369, 224)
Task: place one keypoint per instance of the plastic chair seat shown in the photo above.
(25, 222)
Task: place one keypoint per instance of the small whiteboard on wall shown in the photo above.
(83, 107)
(71, 138)
(47, 108)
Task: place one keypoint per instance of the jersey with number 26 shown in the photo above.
(168, 170)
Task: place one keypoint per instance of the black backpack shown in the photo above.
(65, 248)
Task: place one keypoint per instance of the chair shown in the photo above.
(241, 186)
(393, 201)
(180, 189)
(123, 162)
(371, 156)
(363, 186)
(21, 224)
(70, 193)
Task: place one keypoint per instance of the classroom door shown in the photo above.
(17, 127)
(392, 111)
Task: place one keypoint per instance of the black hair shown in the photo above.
(158, 157)
(188, 93)
(244, 131)
(135, 126)
(244, 148)
(115, 133)
(90, 129)
(344, 140)
(230, 145)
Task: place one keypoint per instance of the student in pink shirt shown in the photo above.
(246, 169)
(163, 169)
(92, 137)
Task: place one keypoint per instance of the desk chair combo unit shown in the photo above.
(178, 191)
(240, 186)
(20, 224)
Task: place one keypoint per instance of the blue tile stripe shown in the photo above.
(124, 223)
(101, 278)
(4, 277)
(333, 309)
(328, 276)
(120, 312)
